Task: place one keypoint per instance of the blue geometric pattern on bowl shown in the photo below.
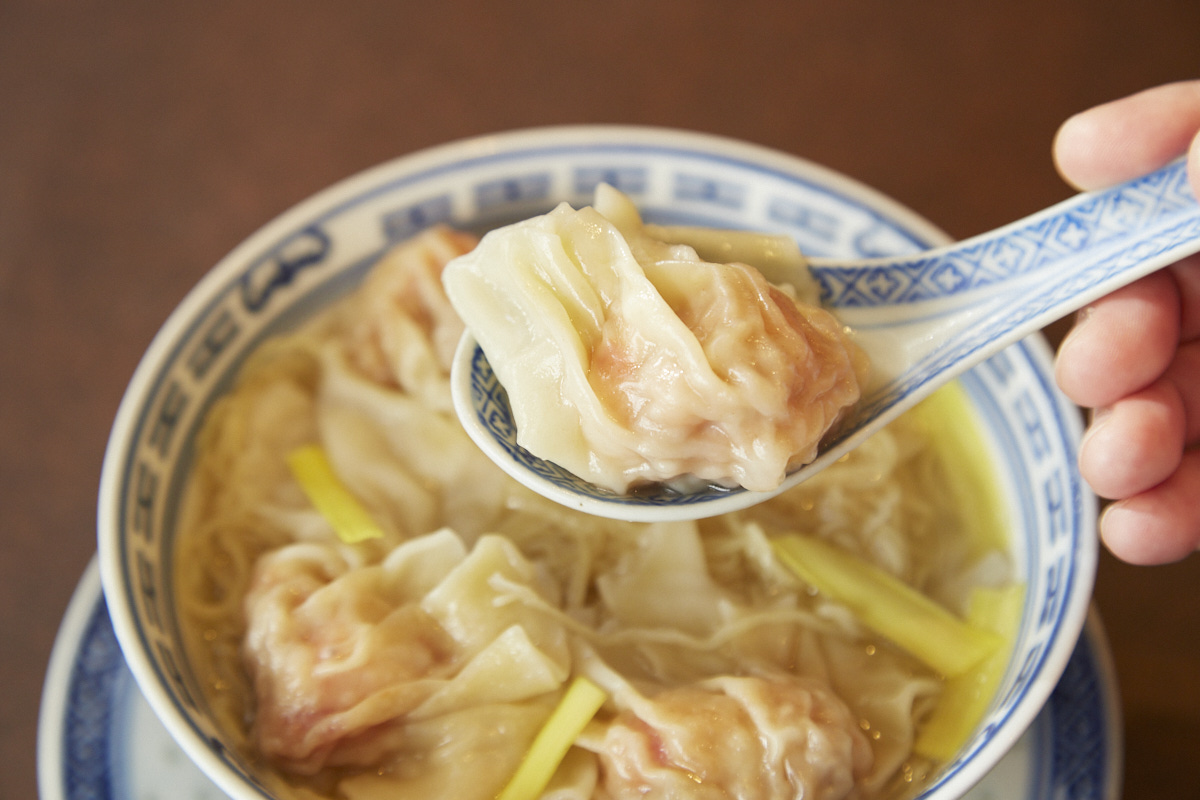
(85, 741)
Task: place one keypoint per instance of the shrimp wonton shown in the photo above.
(629, 359)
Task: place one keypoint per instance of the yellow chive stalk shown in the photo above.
(351, 522)
(965, 698)
(572, 714)
(888, 606)
(968, 476)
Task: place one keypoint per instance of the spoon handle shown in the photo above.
(1099, 234)
(953, 307)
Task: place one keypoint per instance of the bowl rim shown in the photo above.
(425, 161)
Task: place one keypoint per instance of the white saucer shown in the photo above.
(98, 738)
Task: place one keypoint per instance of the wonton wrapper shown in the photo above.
(629, 360)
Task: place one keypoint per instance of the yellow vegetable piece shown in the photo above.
(351, 522)
(576, 709)
(968, 476)
(888, 606)
(965, 698)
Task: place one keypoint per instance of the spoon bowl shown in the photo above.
(923, 319)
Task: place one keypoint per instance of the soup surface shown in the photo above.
(377, 665)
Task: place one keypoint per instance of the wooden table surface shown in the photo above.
(139, 142)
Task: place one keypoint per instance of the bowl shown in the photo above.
(320, 249)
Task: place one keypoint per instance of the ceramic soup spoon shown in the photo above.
(922, 319)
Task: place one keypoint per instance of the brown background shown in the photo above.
(139, 142)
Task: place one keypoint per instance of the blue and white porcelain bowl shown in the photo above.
(319, 249)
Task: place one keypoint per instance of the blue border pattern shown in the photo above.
(87, 762)
(1080, 768)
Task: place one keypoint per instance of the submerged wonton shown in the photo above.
(374, 666)
(630, 360)
(746, 737)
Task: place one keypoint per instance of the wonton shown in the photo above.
(628, 359)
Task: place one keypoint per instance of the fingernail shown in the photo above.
(1098, 416)
(1081, 319)
(1105, 515)
(1096, 419)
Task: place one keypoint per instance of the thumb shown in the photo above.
(1131, 136)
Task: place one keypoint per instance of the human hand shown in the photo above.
(1134, 355)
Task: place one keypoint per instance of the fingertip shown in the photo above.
(1141, 538)
(1128, 137)
(1070, 368)
(1159, 526)
(1135, 444)
(1121, 343)
(1073, 150)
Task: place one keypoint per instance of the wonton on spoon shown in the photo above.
(630, 359)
